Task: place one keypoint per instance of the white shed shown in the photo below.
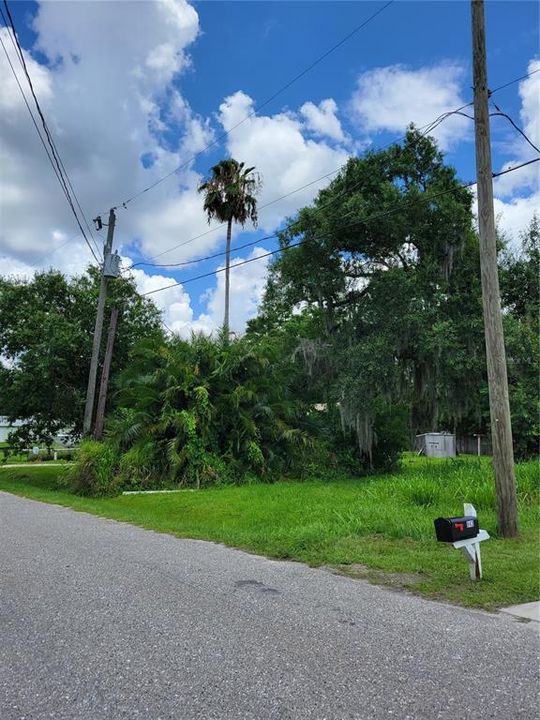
(435, 444)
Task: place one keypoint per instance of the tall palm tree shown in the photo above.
(230, 198)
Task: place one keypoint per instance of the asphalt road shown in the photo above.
(100, 619)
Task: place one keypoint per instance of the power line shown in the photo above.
(515, 167)
(272, 202)
(218, 227)
(42, 142)
(207, 257)
(511, 82)
(458, 111)
(65, 179)
(27, 105)
(514, 125)
(358, 222)
(268, 100)
(252, 242)
(296, 244)
(58, 165)
(428, 128)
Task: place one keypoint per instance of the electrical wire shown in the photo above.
(515, 167)
(259, 107)
(377, 216)
(426, 129)
(282, 197)
(42, 142)
(430, 127)
(28, 106)
(253, 242)
(58, 164)
(268, 100)
(64, 176)
(222, 225)
(501, 113)
(358, 222)
(512, 82)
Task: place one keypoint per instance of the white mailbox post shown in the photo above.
(471, 547)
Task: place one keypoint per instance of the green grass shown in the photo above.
(9, 457)
(383, 523)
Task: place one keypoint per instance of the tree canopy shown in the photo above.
(384, 267)
(46, 327)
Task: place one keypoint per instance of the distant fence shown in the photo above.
(468, 445)
(54, 453)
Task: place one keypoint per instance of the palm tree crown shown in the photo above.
(230, 193)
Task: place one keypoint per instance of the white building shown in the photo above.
(6, 427)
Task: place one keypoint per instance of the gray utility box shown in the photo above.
(439, 445)
(111, 265)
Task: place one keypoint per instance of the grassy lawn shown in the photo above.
(8, 457)
(379, 528)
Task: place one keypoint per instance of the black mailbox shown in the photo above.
(456, 528)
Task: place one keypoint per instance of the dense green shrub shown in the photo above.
(391, 436)
(137, 468)
(65, 455)
(207, 412)
(95, 471)
(337, 447)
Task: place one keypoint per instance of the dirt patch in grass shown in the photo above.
(396, 580)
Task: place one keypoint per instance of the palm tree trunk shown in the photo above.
(227, 279)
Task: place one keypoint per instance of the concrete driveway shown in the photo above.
(100, 619)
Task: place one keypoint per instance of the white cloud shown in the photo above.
(514, 215)
(107, 110)
(10, 98)
(519, 149)
(247, 288)
(173, 302)
(246, 292)
(284, 157)
(322, 119)
(286, 160)
(113, 114)
(10, 267)
(390, 98)
(517, 194)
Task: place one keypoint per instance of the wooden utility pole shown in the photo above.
(98, 329)
(499, 406)
(102, 399)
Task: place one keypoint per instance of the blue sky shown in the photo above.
(278, 39)
(125, 99)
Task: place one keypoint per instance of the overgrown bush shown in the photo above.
(215, 411)
(95, 471)
(65, 455)
(391, 436)
(337, 447)
(206, 412)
